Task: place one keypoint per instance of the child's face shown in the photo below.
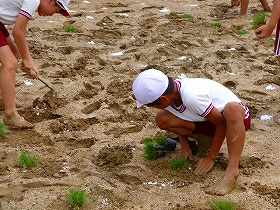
(48, 8)
(165, 102)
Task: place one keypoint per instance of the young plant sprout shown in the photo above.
(27, 160)
(77, 198)
(187, 16)
(258, 20)
(156, 147)
(221, 205)
(216, 24)
(178, 164)
(3, 129)
(241, 32)
(70, 29)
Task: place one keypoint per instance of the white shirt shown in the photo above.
(199, 97)
(10, 10)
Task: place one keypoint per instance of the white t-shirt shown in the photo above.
(199, 97)
(10, 10)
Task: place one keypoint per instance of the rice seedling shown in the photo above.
(258, 20)
(216, 24)
(27, 160)
(177, 164)
(242, 32)
(70, 29)
(77, 198)
(3, 129)
(187, 16)
(221, 205)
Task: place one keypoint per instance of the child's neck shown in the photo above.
(177, 100)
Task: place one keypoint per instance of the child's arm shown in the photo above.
(185, 148)
(266, 30)
(207, 163)
(20, 40)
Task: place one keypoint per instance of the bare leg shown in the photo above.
(167, 121)
(244, 7)
(266, 6)
(235, 136)
(7, 85)
(7, 78)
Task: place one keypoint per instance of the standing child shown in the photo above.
(198, 106)
(266, 30)
(11, 49)
(245, 4)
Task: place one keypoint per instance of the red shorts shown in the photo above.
(208, 129)
(4, 33)
(277, 41)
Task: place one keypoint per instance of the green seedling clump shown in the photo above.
(77, 198)
(149, 144)
(216, 24)
(70, 29)
(187, 16)
(241, 32)
(221, 205)
(27, 160)
(178, 164)
(149, 150)
(258, 20)
(3, 129)
(160, 141)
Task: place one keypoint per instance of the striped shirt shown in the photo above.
(199, 97)
(10, 10)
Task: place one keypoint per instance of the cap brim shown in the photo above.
(139, 105)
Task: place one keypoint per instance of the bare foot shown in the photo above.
(222, 187)
(235, 3)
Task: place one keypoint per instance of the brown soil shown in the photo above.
(89, 135)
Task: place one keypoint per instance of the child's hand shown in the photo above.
(264, 31)
(187, 154)
(204, 165)
(31, 71)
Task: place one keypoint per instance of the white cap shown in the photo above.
(149, 86)
(64, 5)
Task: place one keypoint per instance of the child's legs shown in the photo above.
(265, 5)
(13, 47)
(7, 77)
(167, 121)
(235, 136)
(244, 7)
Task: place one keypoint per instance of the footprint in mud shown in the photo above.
(249, 165)
(91, 108)
(91, 89)
(264, 190)
(117, 131)
(43, 108)
(67, 125)
(114, 155)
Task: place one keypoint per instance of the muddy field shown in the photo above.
(89, 134)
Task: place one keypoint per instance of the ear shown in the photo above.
(164, 99)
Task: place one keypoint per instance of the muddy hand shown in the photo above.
(32, 73)
(204, 165)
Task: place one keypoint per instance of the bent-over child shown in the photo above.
(11, 49)
(198, 106)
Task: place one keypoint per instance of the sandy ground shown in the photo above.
(88, 135)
